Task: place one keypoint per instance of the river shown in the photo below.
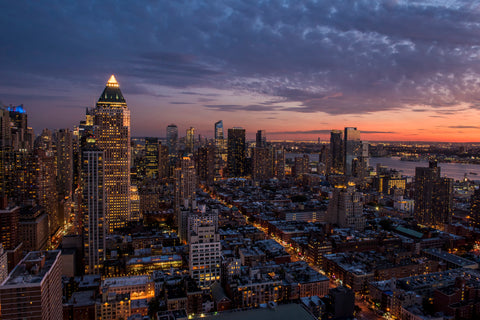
(456, 171)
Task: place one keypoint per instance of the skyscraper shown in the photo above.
(236, 152)
(352, 149)
(433, 196)
(17, 170)
(47, 187)
(163, 162)
(151, 157)
(220, 149)
(336, 152)
(218, 132)
(205, 163)
(190, 140)
(172, 139)
(261, 164)
(185, 183)
(475, 210)
(261, 158)
(112, 134)
(94, 209)
(64, 146)
(5, 146)
(261, 139)
(278, 163)
(21, 134)
(33, 290)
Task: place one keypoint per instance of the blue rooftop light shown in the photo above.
(18, 109)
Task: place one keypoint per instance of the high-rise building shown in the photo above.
(33, 229)
(172, 139)
(151, 157)
(17, 167)
(94, 197)
(352, 149)
(346, 208)
(9, 232)
(475, 210)
(261, 139)
(112, 134)
(336, 152)
(236, 164)
(433, 196)
(301, 166)
(185, 183)
(5, 147)
(261, 163)
(33, 290)
(278, 163)
(218, 132)
(205, 164)
(163, 162)
(64, 146)
(190, 140)
(21, 134)
(220, 150)
(46, 179)
(204, 250)
(3, 265)
(136, 214)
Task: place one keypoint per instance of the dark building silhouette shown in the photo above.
(475, 209)
(433, 196)
(261, 139)
(236, 152)
(352, 150)
(205, 164)
(336, 152)
(301, 166)
(172, 138)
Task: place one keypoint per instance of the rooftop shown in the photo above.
(32, 269)
(126, 281)
(279, 312)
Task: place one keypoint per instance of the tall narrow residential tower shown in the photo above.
(236, 152)
(94, 206)
(220, 149)
(352, 149)
(112, 134)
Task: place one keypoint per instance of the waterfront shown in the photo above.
(456, 171)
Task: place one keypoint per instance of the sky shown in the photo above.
(396, 70)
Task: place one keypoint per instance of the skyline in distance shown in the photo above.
(396, 70)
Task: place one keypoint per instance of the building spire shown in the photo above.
(112, 94)
(112, 82)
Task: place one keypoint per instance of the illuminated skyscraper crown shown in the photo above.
(112, 94)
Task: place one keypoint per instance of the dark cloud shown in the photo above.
(179, 102)
(331, 56)
(327, 131)
(239, 107)
(464, 127)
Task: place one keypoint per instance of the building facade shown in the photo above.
(433, 196)
(236, 152)
(112, 134)
(94, 231)
(33, 290)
